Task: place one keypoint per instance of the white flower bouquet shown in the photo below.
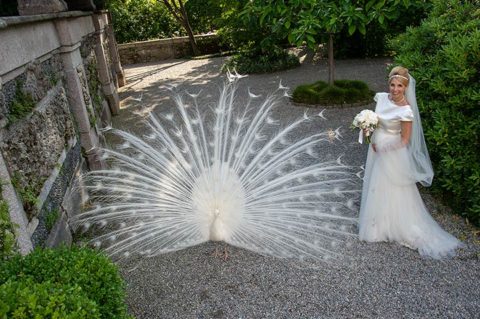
(367, 122)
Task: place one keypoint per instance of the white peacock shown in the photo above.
(228, 175)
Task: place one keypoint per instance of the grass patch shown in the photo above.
(341, 92)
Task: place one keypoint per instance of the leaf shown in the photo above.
(362, 29)
(351, 29)
(291, 38)
(369, 5)
(381, 19)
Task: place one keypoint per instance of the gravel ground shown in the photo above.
(380, 280)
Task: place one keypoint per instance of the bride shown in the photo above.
(391, 207)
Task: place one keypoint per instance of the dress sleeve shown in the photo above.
(407, 115)
(376, 97)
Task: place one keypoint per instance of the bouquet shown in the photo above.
(367, 122)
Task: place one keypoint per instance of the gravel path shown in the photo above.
(381, 280)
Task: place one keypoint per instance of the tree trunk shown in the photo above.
(188, 28)
(331, 62)
(180, 14)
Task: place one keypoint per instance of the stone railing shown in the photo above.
(163, 49)
(59, 75)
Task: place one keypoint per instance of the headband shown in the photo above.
(397, 76)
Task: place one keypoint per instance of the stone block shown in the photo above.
(25, 43)
(31, 7)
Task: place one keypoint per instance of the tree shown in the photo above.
(177, 9)
(309, 21)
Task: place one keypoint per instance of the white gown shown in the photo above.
(391, 207)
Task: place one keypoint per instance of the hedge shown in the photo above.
(443, 54)
(80, 276)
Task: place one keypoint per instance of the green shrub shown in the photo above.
(374, 42)
(251, 61)
(341, 92)
(204, 15)
(140, 20)
(7, 230)
(97, 277)
(28, 299)
(443, 54)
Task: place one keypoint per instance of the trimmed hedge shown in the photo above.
(443, 55)
(341, 92)
(28, 299)
(62, 271)
(253, 61)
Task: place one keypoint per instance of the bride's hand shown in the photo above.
(374, 147)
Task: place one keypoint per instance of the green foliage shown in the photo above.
(259, 49)
(341, 92)
(7, 232)
(374, 41)
(304, 21)
(248, 61)
(443, 54)
(139, 20)
(28, 193)
(29, 299)
(21, 106)
(204, 15)
(77, 269)
(311, 22)
(51, 218)
(245, 33)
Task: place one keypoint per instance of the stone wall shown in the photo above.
(163, 49)
(58, 88)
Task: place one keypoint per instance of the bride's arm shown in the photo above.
(406, 131)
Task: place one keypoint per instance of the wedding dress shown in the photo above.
(391, 206)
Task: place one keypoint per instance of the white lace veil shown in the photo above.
(417, 148)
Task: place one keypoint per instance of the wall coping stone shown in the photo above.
(17, 20)
(166, 40)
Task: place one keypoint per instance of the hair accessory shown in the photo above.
(398, 76)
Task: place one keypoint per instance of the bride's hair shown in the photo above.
(400, 73)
